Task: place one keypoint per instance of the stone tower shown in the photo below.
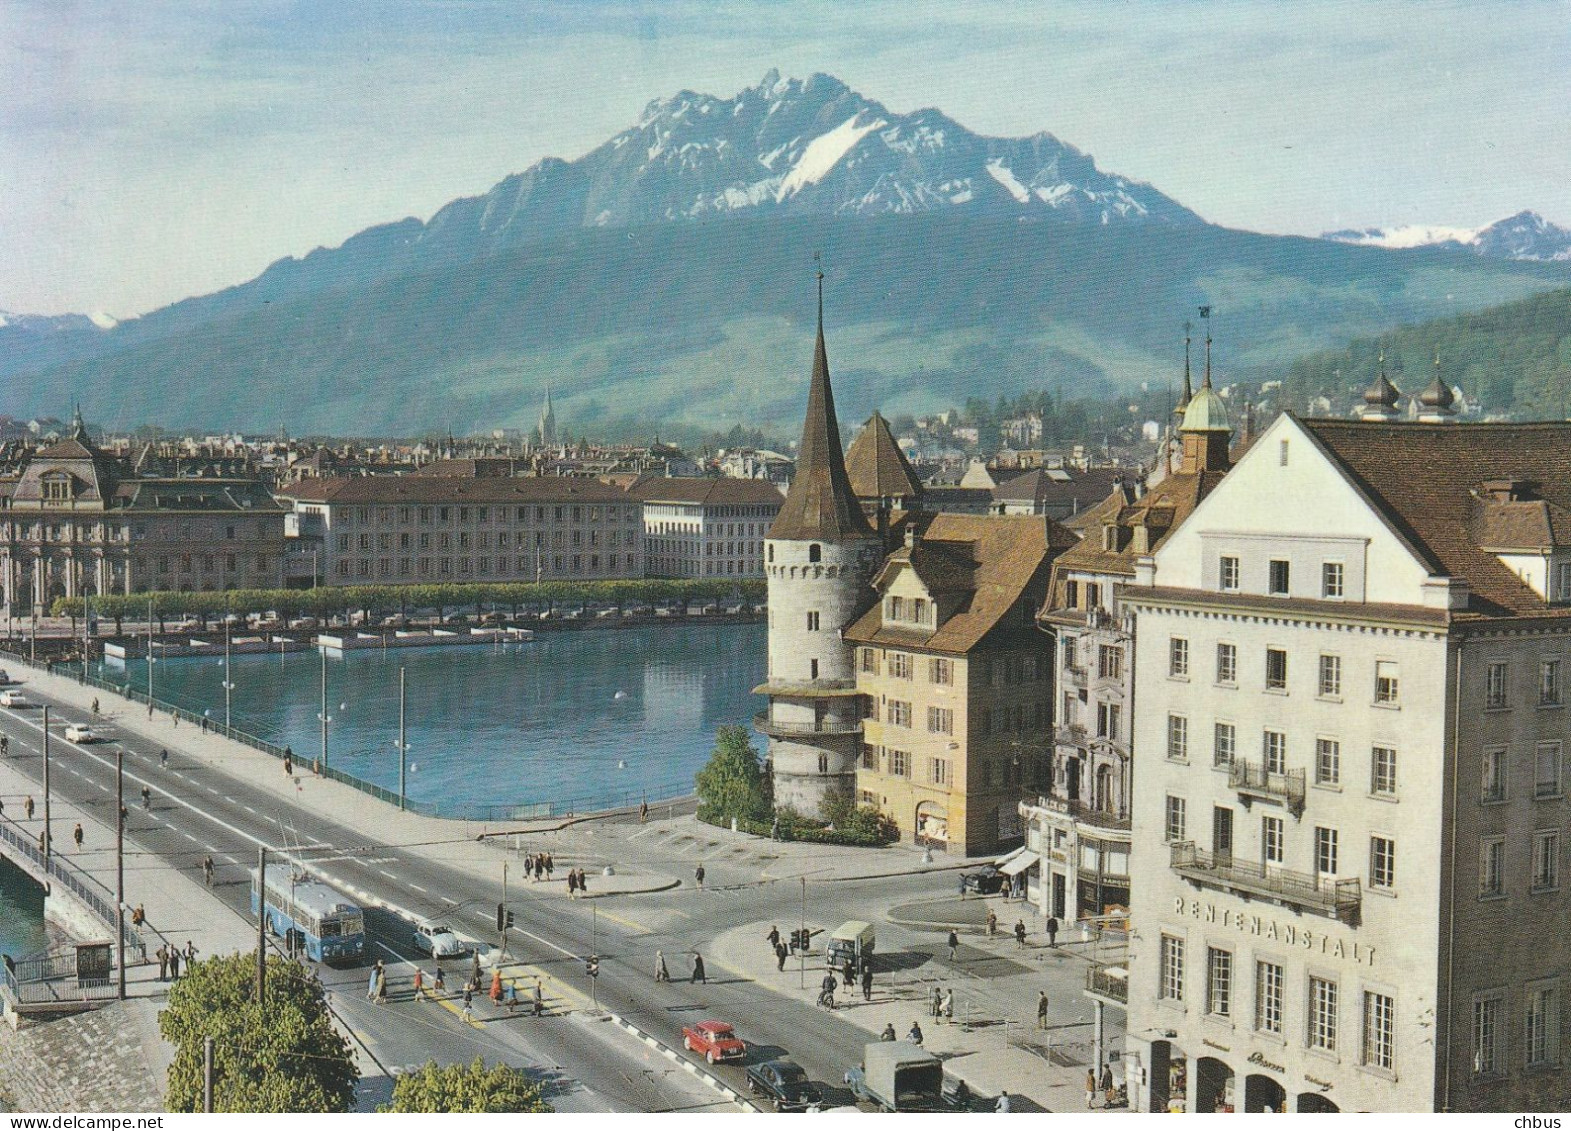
(819, 557)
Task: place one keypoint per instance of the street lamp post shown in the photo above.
(149, 655)
(229, 685)
(120, 865)
(403, 747)
(324, 716)
(49, 840)
(802, 952)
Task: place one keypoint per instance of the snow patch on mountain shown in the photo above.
(1524, 236)
(1006, 177)
(1407, 236)
(823, 153)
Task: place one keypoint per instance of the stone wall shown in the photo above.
(106, 1060)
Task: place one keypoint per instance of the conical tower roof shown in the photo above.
(877, 468)
(820, 505)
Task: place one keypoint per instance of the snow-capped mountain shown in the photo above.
(1527, 236)
(54, 323)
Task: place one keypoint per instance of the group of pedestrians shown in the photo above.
(577, 882)
(170, 958)
(663, 974)
(538, 866)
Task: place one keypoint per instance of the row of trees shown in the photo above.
(282, 1054)
(326, 601)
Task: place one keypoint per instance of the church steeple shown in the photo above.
(820, 504)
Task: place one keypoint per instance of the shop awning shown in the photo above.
(1016, 862)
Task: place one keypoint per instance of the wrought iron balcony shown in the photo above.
(1251, 779)
(1110, 983)
(803, 728)
(1322, 895)
(1083, 813)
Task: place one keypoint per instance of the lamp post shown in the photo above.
(403, 751)
(802, 952)
(228, 683)
(324, 715)
(49, 840)
(87, 614)
(120, 866)
(149, 654)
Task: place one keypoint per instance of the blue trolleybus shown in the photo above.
(310, 916)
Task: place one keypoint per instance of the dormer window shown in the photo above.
(56, 488)
(1563, 581)
(1110, 539)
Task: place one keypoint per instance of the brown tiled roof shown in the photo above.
(389, 489)
(876, 466)
(1053, 490)
(484, 467)
(821, 504)
(993, 561)
(1160, 509)
(1425, 480)
(708, 492)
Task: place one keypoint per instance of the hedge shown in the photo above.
(807, 833)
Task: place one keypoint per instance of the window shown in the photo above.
(1227, 578)
(1219, 982)
(1382, 771)
(1539, 1031)
(1281, 454)
(1273, 751)
(1491, 866)
(1379, 1031)
(1268, 997)
(1386, 683)
(1110, 662)
(1328, 761)
(939, 771)
(1382, 862)
(1494, 767)
(1227, 663)
(1322, 1014)
(823, 763)
(1486, 1036)
(1546, 770)
(812, 665)
(1107, 721)
(919, 610)
(812, 622)
(1176, 808)
(815, 552)
(1495, 686)
(941, 671)
(1563, 581)
(1546, 861)
(899, 713)
(899, 764)
(1331, 575)
(940, 720)
(1177, 738)
(1225, 746)
(1178, 658)
(1272, 840)
(1330, 682)
(1276, 669)
(1325, 851)
(869, 658)
(1278, 578)
(1172, 987)
(1549, 683)
(900, 665)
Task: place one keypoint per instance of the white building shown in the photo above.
(1349, 825)
(709, 528)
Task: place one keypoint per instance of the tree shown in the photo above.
(733, 784)
(466, 1089)
(282, 1055)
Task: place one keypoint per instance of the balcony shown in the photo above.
(1110, 983)
(1083, 813)
(1072, 735)
(1074, 676)
(803, 728)
(1253, 780)
(1319, 895)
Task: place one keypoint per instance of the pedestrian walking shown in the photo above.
(147, 798)
(915, 1034)
(572, 885)
(1020, 931)
(1090, 1088)
(1041, 1009)
(163, 964)
(474, 971)
(848, 973)
(175, 718)
(774, 828)
(539, 999)
(5, 745)
(949, 1005)
(511, 998)
(163, 755)
(316, 767)
(149, 708)
(1052, 930)
(138, 915)
(540, 865)
(867, 982)
(781, 954)
(289, 765)
(643, 811)
(962, 1096)
(381, 984)
(419, 984)
(1002, 1105)
(529, 868)
(954, 943)
(773, 936)
(935, 1001)
(370, 985)
(698, 969)
(76, 835)
(889, 1033)
(992, 922)
(496, 986)
(469, 1001)
(43, 839)
(661, 973)
(550, 866)
(583, 882)
(174, 964)
(438, 983)
(27, 807)
(95, 704)
(207, 870)
(698, 875)
(1107, 1085)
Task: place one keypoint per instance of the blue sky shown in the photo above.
(153, 151)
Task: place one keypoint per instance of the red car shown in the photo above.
(715, 1039)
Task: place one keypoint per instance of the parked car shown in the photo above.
(785, 1084)
(715, 1040)
(986, 880)
(13, 699)
(396, 620)
(268, 622)
(79, 732)
(493, 618)
(303, 622)
(437, 939)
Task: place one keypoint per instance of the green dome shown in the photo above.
(1206, 413)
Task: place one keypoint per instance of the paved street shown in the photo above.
(222, 799)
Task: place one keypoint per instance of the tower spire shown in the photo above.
(1205, 315)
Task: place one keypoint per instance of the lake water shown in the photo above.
(589, 719)
(21, 912)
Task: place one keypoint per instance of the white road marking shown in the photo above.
(450, 902)
(389, 875)
(418, 888)
(231, 800)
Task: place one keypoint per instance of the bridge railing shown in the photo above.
(97, 898)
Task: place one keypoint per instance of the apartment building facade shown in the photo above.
(1349, 828)
(708, 528)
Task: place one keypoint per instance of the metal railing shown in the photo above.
(1111, 982)
(1256, 780)
(623, 798)
(97, 898)
(1080, 811)
(1324, 895)
(805, 728)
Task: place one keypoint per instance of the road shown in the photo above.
(588, 1064)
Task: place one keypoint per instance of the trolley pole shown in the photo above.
(120, 863)
(403, 759)
(503, 932)
(207, 1075)
(261, 925)
(802, 953)
(49, 832)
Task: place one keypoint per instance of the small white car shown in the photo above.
(437, 939)
(80, 732)
(13, 699)
(5, 677)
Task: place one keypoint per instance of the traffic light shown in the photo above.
(507, 920)
(501, 920)
(592, 966)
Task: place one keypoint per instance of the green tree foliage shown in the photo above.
(280, 1056)
(733, 784)
(860, 823)
(466, 1089)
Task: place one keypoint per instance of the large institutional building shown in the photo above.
(1349, 816)
(706, 528)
